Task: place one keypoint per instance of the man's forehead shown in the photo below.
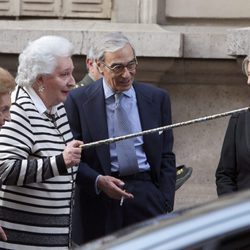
(119, 57)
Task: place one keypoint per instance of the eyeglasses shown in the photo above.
(119, 68)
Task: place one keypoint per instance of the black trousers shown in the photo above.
(148, 202)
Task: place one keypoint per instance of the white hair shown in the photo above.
(40, 57)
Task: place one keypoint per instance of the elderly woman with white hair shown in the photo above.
(38, 156)
(233, 172)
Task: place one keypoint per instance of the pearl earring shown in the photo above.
(40, 88)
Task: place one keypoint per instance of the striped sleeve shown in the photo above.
(19, 148)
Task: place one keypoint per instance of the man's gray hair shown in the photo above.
(91, 53)
(111, 42)
(40, 58)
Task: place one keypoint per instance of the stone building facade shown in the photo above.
(191, 48)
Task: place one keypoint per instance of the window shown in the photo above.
(56, 8)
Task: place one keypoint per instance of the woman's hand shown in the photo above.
(72, 153)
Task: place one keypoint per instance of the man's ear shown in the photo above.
(99, 66)
(89, 62)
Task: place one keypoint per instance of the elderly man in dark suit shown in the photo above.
(121, 184)
(183, 172)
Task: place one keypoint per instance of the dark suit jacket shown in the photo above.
(233, 172)
(86, 111)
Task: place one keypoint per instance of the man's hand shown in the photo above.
(2, 234)
(113, 187)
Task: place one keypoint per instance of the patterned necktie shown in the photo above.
(125, 149)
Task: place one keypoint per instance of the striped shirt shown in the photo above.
(37, 193)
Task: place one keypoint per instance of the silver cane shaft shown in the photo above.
(150, 131)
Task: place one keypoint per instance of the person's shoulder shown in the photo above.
(242, 114)
(144, 85)
(20, 99)
(87, 89)
(150, 88)
(241, 117)
(85, 81)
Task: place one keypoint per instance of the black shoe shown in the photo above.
(182, 175)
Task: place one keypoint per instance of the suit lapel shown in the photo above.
(146, 107)
(149, 115)
(97, 124)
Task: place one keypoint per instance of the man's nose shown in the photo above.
(126, 72)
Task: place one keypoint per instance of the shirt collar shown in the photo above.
(108, 92)
(39, 103)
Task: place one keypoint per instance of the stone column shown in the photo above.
(134, 11)
(147, 11)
